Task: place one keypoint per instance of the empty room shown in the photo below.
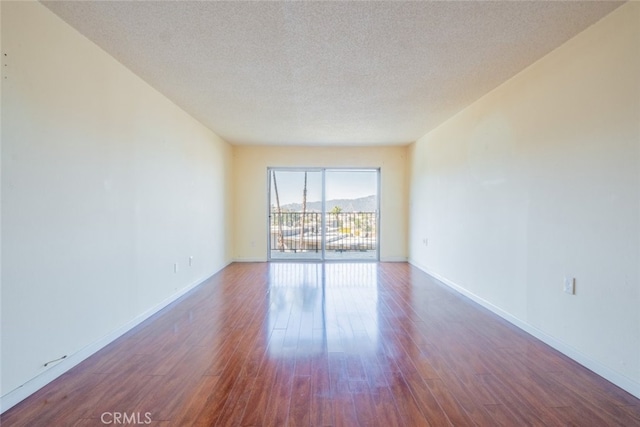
(344, 213)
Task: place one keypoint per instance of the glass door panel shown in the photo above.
(351, 214)
(295, 214)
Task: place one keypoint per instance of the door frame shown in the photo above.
(323, 170)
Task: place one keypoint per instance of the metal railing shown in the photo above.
(345, 231)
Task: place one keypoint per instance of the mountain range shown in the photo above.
(362, 204)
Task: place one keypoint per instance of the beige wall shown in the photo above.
(538, 180)
(250, 189)
(105, 186)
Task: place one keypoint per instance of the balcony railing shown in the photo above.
(345, 231)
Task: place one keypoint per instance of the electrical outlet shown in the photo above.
(425, 241)
(570, 285)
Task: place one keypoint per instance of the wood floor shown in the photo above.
(326, 345)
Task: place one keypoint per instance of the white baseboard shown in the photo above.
(250, 259)
(609, 374)
(393, 259)
(25, 390)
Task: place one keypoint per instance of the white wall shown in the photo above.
(105, 185)
(250, 187)
(540, 179)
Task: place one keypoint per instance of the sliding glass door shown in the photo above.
(318, 214)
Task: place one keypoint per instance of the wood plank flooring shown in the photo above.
(314, 344)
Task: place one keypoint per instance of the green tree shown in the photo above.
(336, 211)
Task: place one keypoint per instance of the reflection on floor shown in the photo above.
(322, 307)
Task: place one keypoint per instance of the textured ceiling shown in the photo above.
(327, 73)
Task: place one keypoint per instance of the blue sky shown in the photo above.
(341, 184)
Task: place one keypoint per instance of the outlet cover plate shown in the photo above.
(570, 285)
